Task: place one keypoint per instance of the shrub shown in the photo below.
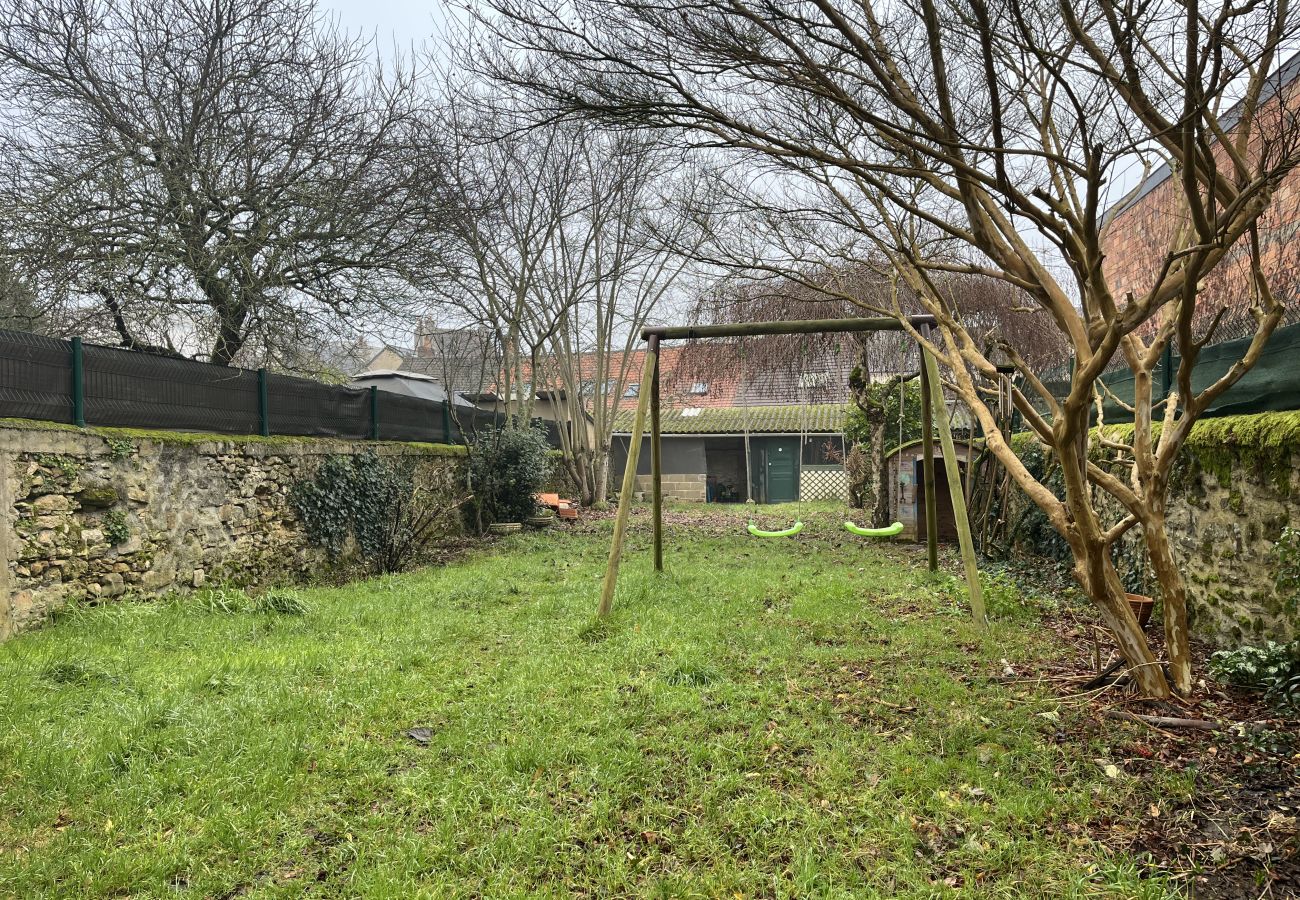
(376, 503)
(1273, 668)
(907, 414)
(507, 466)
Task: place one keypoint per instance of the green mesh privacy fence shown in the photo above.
(63, 381)
(1273, 384)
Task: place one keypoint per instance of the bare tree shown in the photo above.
(565, 241)
(515, 187)
(218, 178)
(985, 137)
(619, 260)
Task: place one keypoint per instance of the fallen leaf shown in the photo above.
(420, 735)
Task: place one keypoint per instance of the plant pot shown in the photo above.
(539, 521)
(505, 527)
(1142, 606)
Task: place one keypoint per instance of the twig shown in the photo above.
(1163, 721)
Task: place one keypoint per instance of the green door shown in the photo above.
(782, 471)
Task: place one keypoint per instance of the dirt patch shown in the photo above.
(1238, 836)
(1239, 833)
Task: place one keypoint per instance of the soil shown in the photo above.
(1239, 834)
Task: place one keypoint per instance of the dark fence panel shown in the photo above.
(1273, 384)
(35, 377)
(468, 424)
(403, 418)
(302, 406)
(138, 390)
(128, 389)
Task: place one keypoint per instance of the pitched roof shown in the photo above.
(820, 418)
(1285, 74)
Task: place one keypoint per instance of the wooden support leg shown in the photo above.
(958, 495)
(656, 459)
(629, 485)
(927, 467)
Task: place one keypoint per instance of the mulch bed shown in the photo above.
(1239, 834)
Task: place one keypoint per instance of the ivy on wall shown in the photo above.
(375, 502)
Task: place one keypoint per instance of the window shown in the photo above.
(588, 388)
(700, 387)
(633, 390)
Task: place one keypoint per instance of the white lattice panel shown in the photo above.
(823, 483)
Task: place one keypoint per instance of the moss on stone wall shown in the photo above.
(1232, 493)
(114, 436)
(1263, 441)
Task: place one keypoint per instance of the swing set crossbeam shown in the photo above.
(802, 326)
(648, 403)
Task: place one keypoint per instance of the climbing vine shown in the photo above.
(374, 502)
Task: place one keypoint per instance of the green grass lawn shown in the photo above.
(770, 718)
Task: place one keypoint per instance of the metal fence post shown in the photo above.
(78, 384)
(1167, 370)
(374, 413)
(263, 405)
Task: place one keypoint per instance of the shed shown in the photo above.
(903, 467)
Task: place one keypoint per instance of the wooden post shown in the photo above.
(629, 483)
(927, 467)
(656, 458)
(931, 371)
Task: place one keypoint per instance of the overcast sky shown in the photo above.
(401, 21)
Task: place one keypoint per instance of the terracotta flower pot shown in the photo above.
(1142, 606)
(505, 527)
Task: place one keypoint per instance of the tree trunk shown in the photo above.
(600, 490)
(855, 467)
(1173, 592)
(1095, 570)
(877, 474)
(1096, 574)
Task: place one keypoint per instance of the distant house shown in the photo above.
(466, 360)
(1138, 232)
(386, 358)
(735, 432)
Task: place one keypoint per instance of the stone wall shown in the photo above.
(1233, 493)
(104, 513)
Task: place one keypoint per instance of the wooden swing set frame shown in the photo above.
(931, 395)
